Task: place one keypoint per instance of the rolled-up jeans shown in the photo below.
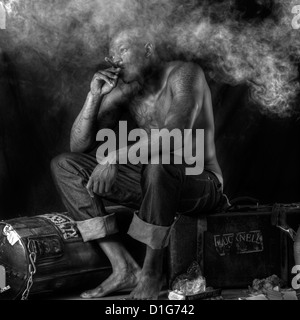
(160, 194)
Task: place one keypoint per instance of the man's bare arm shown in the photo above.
(101, 110)
(85, 126)
(97, 113)
(187, 85)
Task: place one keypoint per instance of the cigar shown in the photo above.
(112, 63)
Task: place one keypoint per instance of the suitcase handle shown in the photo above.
(242, 203)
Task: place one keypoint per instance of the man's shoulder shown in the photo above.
(186, 74)
(179, 68)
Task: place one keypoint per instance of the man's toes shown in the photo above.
(85, 295)
(128, 298)
(137, 296)
(90, 294)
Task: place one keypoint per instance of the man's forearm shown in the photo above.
(83, 134)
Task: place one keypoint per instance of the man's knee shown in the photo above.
(63, 162)
(157, 172)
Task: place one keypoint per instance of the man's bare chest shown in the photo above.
(150, 110)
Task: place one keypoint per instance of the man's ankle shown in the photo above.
(125, 267)
(152, 272)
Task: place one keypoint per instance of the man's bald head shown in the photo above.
(134, 36)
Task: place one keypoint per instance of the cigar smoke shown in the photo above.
(262, 52)
(240, 41)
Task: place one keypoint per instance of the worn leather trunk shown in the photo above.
(62, 260)
(237, 246)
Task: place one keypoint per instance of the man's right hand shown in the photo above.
(102, 179)
(104, 81)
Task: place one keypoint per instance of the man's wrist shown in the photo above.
(111, 159)
(95, 97)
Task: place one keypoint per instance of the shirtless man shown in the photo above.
(158, 95)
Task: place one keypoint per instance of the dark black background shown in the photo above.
(259, 154)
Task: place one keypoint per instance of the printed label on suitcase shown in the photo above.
(239, 243)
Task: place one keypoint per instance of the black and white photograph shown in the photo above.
(149, 150)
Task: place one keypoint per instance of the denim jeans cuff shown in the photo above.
(98, 227)
(156, 237)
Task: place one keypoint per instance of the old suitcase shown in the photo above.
(237, 245)
(46, 254)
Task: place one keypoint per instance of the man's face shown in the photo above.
(129, 56)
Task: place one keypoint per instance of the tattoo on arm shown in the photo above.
(79, 136)
(90, 120)
(187, 93)
(83, 128)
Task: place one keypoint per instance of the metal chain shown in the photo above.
(32, 271)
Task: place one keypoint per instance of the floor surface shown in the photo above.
(232, 294)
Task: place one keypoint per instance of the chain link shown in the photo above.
(31, 269)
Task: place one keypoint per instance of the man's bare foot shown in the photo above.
(148, 288)
(118, 280)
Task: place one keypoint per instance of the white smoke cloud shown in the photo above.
(10, 5)
(262, 53)
(259, 54)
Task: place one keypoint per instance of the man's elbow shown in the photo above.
(82, 147)
(77, 148)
